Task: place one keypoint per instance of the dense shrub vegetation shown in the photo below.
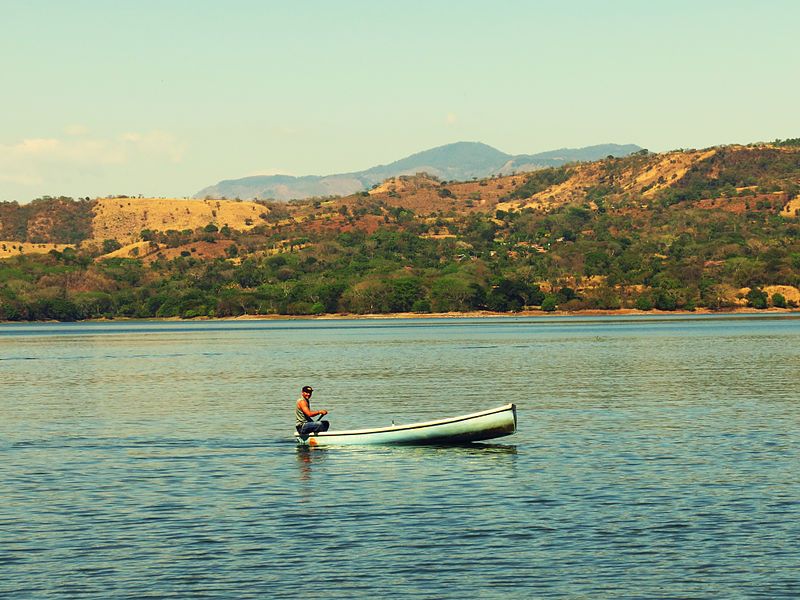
(636, 262)
(46, 220)
(366, 256)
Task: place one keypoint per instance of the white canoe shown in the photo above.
(484, 425)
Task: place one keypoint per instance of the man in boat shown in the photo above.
(304, 416)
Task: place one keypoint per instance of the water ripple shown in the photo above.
(655, 458)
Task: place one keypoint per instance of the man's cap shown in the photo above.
(308, 388)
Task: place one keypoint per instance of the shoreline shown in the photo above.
(523, 313)
(622, 312)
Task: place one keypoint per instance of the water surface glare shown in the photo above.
(657, 457)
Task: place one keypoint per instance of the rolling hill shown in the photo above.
(709, 229)
(459, 161)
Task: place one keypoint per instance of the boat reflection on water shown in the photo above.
(306, 456)
(375, 457)
(412, 475)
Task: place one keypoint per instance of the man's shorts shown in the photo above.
(313, 427)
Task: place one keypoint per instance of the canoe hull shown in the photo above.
(475, 427)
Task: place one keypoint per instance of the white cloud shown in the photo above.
(52, 150)
(37, 161)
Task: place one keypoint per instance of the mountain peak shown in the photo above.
(451, 161)
(459, 161)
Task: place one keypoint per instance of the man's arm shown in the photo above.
(303, 404)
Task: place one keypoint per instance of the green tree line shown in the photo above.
(671, 258)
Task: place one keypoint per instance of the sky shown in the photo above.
(163, 98)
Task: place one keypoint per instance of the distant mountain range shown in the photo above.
(460, 161)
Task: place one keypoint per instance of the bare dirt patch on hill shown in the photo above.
(733, 205)
(200, 250)
(792, 208)
(424, 195)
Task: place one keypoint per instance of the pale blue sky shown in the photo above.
(166, 97)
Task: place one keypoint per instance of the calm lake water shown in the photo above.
(656, 457)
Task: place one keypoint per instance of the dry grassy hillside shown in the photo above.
(788, 291)
(8, 249)
(663, 170)
(150, 251)
(629, 183)
(648, 176)
(792, 208)
(633, 184)
(123, 219)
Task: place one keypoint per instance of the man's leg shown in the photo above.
(310, 427)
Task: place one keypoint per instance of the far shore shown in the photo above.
(523, 313)
(621, 312)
